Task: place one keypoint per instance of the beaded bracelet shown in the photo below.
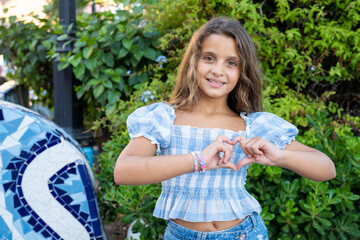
(202, 162)
(195, 162)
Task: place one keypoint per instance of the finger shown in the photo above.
(243, 143)
(222, 139)
(254, 146)
(227, 155)
(227, 151)
(230, 165)
(244, 162)
(238, 139)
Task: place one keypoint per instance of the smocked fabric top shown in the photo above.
(215, 195)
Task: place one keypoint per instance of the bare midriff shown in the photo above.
(208, 226)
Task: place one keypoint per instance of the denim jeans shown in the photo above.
(253, 227)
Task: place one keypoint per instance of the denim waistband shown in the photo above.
(239, 231)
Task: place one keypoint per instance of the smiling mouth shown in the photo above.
(215, 82)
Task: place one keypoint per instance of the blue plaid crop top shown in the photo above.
(215, 195)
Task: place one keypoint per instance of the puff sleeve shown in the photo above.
(153, 122)
(272, 128)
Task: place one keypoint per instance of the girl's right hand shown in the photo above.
(211, 156)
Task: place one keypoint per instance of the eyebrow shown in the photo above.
(212, 53)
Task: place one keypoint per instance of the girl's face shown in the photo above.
(218, 67)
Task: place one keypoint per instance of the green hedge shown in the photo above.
(25, 45)
(112, 53)
(293, 207)
(306, 48)
(310, 54)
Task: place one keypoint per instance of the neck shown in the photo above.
(210, 106)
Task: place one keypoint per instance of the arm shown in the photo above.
(307, 162)
(303, 160)
(137, 164)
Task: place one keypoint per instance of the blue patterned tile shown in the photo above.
(9, 186)
(32, 135)
(45, 233)
(23, 212)
(5, 232)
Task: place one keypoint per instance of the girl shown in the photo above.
(207, 136)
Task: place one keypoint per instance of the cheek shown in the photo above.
(237, 75)
(199, 73)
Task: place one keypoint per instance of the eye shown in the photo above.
(232, 63)
(208, 58)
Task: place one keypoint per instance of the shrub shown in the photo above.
(131, 202)
(112, 53)
(293, 207)
(25, 46)
(309, 51)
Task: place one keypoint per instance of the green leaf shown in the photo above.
(70, 27)
(325, 222)
(75, 61)
(121, 28)
(150, 33)
(91, 63)
(131, 29)
(143, 77)
(79, 71)
(98, 90)
(123, 17)
(122, 53)
(120, 71)
(128, 218)
(108, 59)
(127, 43)
(80, 93)
(62, 37)
(87, 52)
(93, 82)
(84, 38)
(138, 53)
(47, 44)
(91, 41)
(133, 80)
(108, 84)
(110, 72)
(138, 9)
(150, 53)
(116, 79)
(113, 96)
(134, 62)
(12, 19)
(126, 2)
(33, 45)
(62, 65)
(110, 109)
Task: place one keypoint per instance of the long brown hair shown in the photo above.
(246, 96)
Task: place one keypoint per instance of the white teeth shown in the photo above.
(215, 82)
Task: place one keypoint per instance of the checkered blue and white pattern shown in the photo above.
(216, 195)
(46, 183)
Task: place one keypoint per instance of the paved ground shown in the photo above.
(116, 230)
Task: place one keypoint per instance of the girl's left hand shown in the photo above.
(258, 150)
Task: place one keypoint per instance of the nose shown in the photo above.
(217, 69)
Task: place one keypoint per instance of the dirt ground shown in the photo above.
(116, 230)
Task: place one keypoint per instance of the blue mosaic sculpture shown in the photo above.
(46, 183)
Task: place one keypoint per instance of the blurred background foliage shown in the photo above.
(127, 58)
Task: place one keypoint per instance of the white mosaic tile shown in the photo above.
(45, 191)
